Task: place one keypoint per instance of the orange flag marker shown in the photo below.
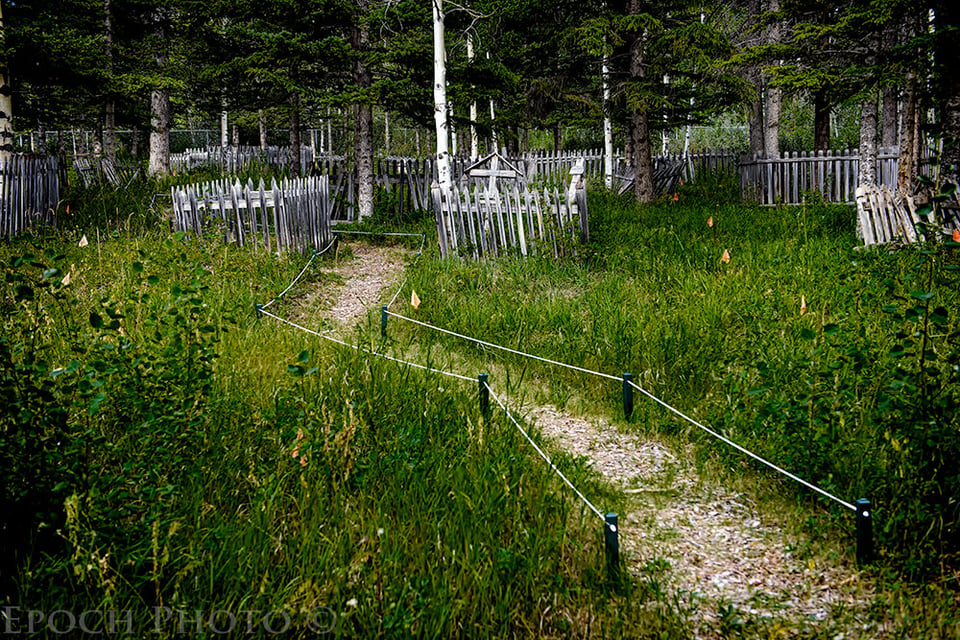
(725, 257)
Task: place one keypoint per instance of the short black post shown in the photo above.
(864, 532)
(611, 540)
(383, 321)
(259, 308)
(627, 396)
(484, 396)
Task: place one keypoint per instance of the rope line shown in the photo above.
(507, 349)
(543, 455)
(364, 350)
(302, 271)
(741, 449)
(492, 345)
(500, 402)
(645, 393)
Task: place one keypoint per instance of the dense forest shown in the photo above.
(149, 65)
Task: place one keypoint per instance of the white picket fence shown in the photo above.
(289, 215)
(477, 222)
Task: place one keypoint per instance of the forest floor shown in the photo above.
(727, 560)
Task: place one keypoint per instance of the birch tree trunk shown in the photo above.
(262, 126)
(474, 113)
(6, 104)
(607, 126)
(868, 140)
(364, 112)
(444, 178)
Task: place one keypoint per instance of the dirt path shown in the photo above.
(707, 543)
(370, 276)
(729, 562)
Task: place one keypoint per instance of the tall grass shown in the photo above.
(172, 455)
(802, 346)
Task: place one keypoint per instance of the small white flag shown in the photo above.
(66, 279)
(83, 242)
(414, 299)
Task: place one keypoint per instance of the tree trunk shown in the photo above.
(6, 106)
(98, 140)
(295, 142)
(444, 177)
(159, 163)
(109, 105)
(907, 168)
(891, 118)
(639, 119)
(771, 132)
(821, 121)
(643, 162)
(262, 126)
(364, 127)
(224, 127)
(948, 68)
(868, 140)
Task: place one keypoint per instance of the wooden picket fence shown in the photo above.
(884, 217)
(555, 166)
(792, 178)
(29, 193)
(239, 159)
(93, 171)
(477, 222)
(289, 215)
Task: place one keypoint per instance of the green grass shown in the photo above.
(164, 447)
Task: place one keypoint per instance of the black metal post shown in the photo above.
(627, 396)
(864, 532)
(484, 396)
(611, 540)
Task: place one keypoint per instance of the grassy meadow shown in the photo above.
(164, 450)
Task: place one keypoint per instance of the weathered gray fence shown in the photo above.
(477, 222)
(119, 173)
(793, 177)
(238, 159)
(29, 193)
(289, 215)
